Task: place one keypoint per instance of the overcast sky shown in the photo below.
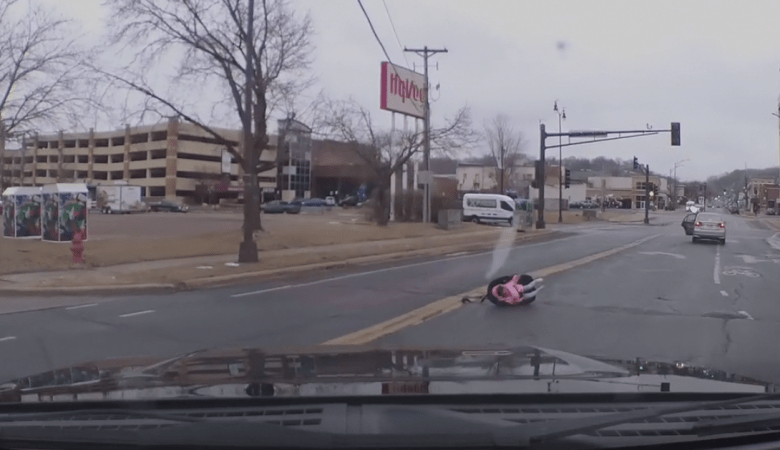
(712, 65)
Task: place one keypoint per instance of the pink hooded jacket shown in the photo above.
(514, 291)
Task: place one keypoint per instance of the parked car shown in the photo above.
(280, 206)
(330, 200)
(771, 212)
(168, 206)
(314, 202)
(351, 200)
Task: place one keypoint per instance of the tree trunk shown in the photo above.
(382, 210)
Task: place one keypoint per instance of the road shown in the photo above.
(649, 292)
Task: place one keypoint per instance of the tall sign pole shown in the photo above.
(425, 52)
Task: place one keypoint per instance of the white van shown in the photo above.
(488, 208)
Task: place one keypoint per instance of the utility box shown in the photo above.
(450, 218)
(22, 212)
(63, 211)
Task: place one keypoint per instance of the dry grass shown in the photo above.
(149, 237)
(280, 259)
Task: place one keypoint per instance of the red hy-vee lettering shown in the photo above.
(405, 88)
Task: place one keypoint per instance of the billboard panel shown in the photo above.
(28, 215)
(50, 211)
(8, 217)
(402, 91)
(72, 215)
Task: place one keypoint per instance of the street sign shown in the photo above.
(587, 133)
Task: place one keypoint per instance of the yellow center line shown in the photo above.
(449, 304)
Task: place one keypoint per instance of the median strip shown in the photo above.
(449, 304)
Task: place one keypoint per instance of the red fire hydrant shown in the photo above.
(78, 247)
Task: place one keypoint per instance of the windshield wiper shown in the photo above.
(527, 434)
(208, 433)
(737, 424)
(416, 427)
(91, 414)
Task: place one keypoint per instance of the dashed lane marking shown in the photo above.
(148, 311)
(81, 306)
(716, 273)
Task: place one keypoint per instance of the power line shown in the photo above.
(392, 66)
(374, 31)
(397, 39)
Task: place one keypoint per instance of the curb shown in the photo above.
(224, 280)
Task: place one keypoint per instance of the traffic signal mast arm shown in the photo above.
(598, 136)
(576, 134)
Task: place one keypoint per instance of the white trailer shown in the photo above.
(119, 199)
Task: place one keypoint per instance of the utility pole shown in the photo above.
(247, 251)
(674, 194)
(501, 174)
(425, 52)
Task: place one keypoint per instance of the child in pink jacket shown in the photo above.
(513, 291)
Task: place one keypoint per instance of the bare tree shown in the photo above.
(43, 78)
(386, 154)
(506, 146)
(204, 43)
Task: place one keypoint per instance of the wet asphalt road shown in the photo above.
(665, 299)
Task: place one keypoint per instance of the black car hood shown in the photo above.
(330, 371)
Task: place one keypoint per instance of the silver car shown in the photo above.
(709, 226)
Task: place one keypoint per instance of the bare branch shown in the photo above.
(506, 146)
(43, 82)
(146, 90)
(384, 153)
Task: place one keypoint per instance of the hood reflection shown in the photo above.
(337, 372)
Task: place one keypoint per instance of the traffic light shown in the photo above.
(676, 133)
(567, 179)
(636, 163)
(655, 189)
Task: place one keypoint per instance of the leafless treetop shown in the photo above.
(202, 44)
(43, 81)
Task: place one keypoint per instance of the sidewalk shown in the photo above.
(205, 271)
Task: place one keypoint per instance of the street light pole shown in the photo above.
(561, 115)
(647, 194)
(676, 165)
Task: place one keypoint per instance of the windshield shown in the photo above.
(392, 181)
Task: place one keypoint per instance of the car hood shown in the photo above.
(331, 371)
